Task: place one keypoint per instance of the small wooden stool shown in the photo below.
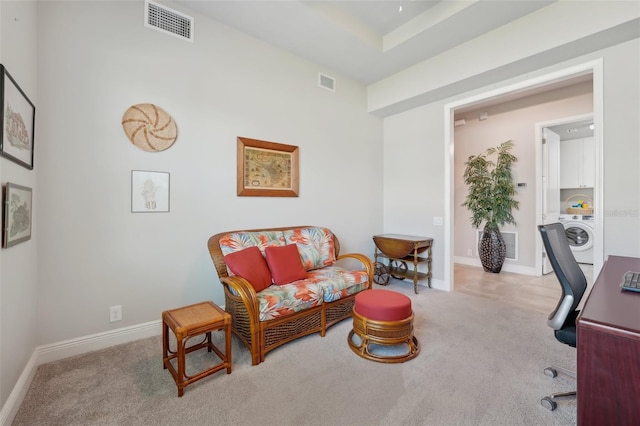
(190, 321)
(383, 317)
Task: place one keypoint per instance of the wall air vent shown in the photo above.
(168, 21)
(511, 241)
(326, 82)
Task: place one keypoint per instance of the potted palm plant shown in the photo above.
(491, 200)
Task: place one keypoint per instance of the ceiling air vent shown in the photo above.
(168, 21)
(326, 82)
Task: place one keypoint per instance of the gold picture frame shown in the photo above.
(267, 169)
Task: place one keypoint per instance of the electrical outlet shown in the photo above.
(469, 252)
(437, 220)
(115, 313)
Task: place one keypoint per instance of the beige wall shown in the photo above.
(19, 264)
(89, 252)
(95, 59)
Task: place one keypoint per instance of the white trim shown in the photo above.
(11, 406)
(437, 284)
(448, 199)
(56, 351)
(598, 134)
(594, 67)
(538, 168)
(506, 267)
(94, 342)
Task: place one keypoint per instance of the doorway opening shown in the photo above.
(514, 91)
(567, 155)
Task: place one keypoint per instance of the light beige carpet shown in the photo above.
(481, 364)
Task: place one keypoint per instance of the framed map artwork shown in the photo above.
(267, 169)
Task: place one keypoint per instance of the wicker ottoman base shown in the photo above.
(380, 340)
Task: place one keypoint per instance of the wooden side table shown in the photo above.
(191, 321)
(400, 250)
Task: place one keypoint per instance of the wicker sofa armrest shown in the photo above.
(364, 260)
(245, 291)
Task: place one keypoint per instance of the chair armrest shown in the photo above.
(364, 260)
(244, 290)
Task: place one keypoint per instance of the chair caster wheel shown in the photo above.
(551, 372)
(548, 403)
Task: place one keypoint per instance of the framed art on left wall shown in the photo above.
(17, 115)
(17, 215)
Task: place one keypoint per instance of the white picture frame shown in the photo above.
(150, 191)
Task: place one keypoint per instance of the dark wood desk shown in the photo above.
(608, 348)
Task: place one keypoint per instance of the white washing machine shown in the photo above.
(579, 232)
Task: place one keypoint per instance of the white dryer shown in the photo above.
(579, 232)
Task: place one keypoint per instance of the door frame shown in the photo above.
(539, 167)
(543, 179)
(594, 67)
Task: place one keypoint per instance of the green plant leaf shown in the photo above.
(490, 197)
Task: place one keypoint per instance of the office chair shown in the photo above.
(574, 284)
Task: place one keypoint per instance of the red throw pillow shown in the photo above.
(285, 264)
(250, 265)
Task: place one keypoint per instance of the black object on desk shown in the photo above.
(631, 281)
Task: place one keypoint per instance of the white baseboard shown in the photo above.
(94, 342)
(55, 351)
(507, 267)
(11, 406)
(439, 284)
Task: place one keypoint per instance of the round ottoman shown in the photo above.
(383, 327)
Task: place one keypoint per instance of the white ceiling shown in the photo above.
(578, 129)
(365, 40)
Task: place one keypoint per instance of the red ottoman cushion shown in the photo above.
(383, 305)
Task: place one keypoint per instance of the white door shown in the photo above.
(550, 184)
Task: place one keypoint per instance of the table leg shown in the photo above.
(165, 344)
(429, 266)
(227, 333)
(415, 271)
(181, 367)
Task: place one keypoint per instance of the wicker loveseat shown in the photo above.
(268, 317)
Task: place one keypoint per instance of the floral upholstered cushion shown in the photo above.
(321, 285)
(315, 244)
(281, 300)
(337, 282)
(237, 241)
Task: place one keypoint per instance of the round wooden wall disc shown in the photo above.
(149, 127)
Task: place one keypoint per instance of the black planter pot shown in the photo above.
(492, 250)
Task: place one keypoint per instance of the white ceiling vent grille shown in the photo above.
(168, 21)
(326, 82)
